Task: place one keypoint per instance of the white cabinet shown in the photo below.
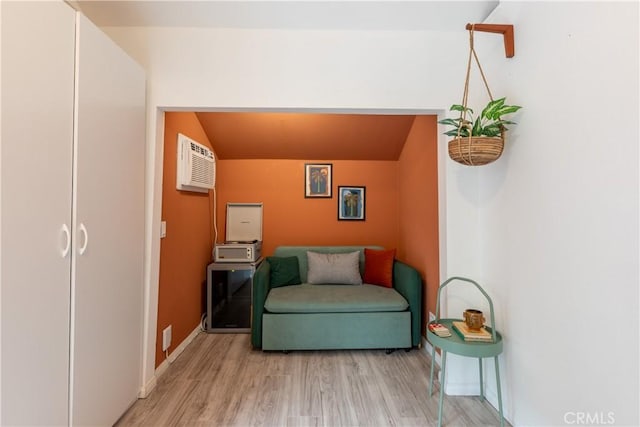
(71, 219)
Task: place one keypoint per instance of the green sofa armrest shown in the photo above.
(407, 281)
(261, 286)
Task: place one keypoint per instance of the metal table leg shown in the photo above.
(499, 392)
(433, 362)
(442, 372)
(481, 381)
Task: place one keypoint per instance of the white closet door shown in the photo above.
(109, 205)
(37, 136)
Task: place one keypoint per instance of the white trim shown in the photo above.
(160, 370)
(467, 388)
(147, 388)
(442, 157)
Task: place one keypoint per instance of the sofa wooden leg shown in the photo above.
(390, 350)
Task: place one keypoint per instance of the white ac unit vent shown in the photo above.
(196, 166)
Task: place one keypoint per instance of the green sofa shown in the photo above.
(323, 317)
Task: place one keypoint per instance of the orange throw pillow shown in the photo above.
(378, 267)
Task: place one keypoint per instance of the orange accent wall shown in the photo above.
(418, 217)
(401, 213)
(186, 250)
(291, 219)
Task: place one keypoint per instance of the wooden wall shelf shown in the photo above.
(505, 30)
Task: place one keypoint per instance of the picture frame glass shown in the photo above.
(318, 180)
(351, 203)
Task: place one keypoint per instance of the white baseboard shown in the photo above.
(462, 389)
(149, 386)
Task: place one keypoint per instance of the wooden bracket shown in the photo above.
(505, 30)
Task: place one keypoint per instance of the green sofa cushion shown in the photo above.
(285, 271)
(307, 298)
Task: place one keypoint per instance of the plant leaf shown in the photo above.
(489, 111)
(450, 122)
(461, 108)
(477, 128)
(454, 132)
(507, 109)
(493, 130)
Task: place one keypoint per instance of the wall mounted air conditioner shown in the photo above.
(196, 169)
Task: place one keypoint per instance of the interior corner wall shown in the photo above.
(558, 219)
(186, 249)
(418, 212)
(291, 219)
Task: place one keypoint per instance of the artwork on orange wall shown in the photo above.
(317, 180)
(351, 203)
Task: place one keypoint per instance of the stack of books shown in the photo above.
(481, 335)
(439, 330)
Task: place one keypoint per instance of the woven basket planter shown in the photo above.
(475, 151)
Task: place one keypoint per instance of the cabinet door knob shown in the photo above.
(83, 248)
(67, 245)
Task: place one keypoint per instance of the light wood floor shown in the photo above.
(220, 381)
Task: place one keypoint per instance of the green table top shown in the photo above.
(456, 345)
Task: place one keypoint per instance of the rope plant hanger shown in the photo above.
(481, 141)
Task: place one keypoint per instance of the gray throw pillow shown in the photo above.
(334, 268)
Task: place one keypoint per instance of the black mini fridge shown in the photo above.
(229, 291)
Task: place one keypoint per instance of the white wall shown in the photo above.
(550, 230)
(558, 215)
(204, 68)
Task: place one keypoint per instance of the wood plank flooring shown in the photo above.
(220, 381)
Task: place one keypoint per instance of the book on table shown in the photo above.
(439, 329)
(481, 335)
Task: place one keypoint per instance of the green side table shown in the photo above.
(456, 345)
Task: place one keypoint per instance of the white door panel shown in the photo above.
(109, 203)
(37, 136)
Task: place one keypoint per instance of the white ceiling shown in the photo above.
(448, 15)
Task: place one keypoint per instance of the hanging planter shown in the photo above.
(480, 141)
(475, 150)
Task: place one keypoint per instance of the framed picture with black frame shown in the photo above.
(351, 203)
(318, 180)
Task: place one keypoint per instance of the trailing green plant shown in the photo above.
(489, 123)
